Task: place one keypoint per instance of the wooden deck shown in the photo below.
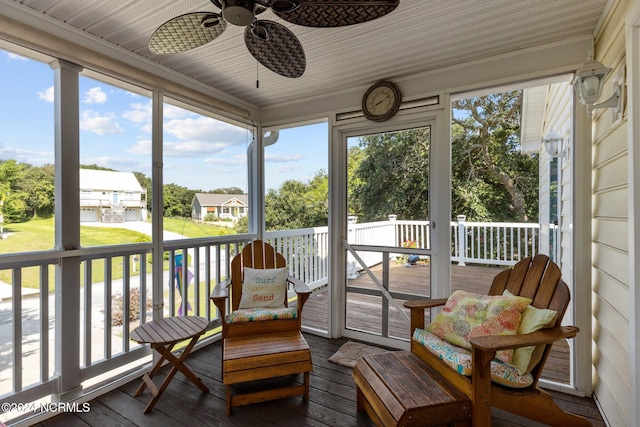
(332, 400)
(364, 312)
(332, 392)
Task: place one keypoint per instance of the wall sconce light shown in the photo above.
(588, 83)
(553, 144)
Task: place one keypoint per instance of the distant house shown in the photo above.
(220, 206)
(107, 196)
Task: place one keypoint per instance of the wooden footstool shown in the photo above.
(265, 356)
(396, 388)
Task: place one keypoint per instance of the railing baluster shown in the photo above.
(107, 308)
(44, 322)
(143, 286)
(126, 301)
(16, 305)
(196, 281)
(88, 298)
(172, 275)
(207, 280)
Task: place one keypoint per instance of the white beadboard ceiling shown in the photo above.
(420, 35)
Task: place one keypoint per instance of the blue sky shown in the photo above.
(115, 132)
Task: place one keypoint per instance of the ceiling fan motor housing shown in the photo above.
(238, 12)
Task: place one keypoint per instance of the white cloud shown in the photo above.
(31, 157)
(141, 147)
(138, 113)
(282, 158)
(16, 57)
(231, 161)
(47, 95)
(191, 148)
(172, 112)
(206, 129)
(118, 163)
(100, 124)
(179, 148)
(95, 95)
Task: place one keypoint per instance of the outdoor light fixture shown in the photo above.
(588, 84)
(553, 144)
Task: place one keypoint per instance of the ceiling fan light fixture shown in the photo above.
(284, 6)
(210, 20)
(238, 12)
(260, 31)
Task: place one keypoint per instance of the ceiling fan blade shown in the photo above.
(186, 32)
(275, 47)
(337, 13)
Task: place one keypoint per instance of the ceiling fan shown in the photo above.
(271, 43)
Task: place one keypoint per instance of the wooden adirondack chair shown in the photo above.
(261, 342)
(536, 278)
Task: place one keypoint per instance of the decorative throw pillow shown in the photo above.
(533, 319)
(264, 287)
(467, 315)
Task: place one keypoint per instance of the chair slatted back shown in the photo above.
(257, 254)
(539, 279)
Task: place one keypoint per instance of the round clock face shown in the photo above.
(381, 101)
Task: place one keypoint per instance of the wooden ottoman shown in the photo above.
(265, 356)
(396, 388)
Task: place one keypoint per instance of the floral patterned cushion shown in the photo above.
(467, 315)
(459, 359)
(259, 314)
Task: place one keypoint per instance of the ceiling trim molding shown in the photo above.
(509, 68)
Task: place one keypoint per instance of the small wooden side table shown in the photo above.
(162, 335)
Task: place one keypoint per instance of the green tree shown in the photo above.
(96, 167)
(145, 182)
(391, 177)
(298, 205)
(229, 190)
(242, 225)
(491, 179)
(177, 200)
(15, 208)
(37, 188)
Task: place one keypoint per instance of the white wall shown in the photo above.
(610, 247)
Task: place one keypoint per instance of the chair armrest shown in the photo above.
(418, 307)
(301, 289)
(221, 291)
(298, 285)
(493, 343)
(425, 303)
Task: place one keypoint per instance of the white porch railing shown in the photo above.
(487, 243)
(34, 358)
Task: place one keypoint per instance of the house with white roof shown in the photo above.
(219, 206)
(108, 196)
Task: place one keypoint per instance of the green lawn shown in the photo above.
(38, 235)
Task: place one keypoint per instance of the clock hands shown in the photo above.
(382, 100)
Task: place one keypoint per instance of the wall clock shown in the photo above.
(381, 101)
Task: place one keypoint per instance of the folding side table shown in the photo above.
(162, 335)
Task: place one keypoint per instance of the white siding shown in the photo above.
(610, 248)
(558, 118)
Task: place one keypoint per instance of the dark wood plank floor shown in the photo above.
(332, 400)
